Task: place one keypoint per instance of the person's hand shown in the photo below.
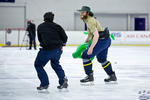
(90, 51)
(87, 40)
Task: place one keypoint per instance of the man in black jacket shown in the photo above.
(52, 38)
(31, 30)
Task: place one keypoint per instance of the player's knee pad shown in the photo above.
(85, 56)
(86, 60)
(104, 63)
(101, 60)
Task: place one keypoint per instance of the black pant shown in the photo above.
(100, 51)
(32, 41)
(42, 59)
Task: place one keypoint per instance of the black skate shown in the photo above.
(42, 87)
(88, 79)
(112, 78)
(64, 85)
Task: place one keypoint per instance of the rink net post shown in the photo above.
(12, 37)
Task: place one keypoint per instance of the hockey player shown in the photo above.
(99, 47)
(52, 38)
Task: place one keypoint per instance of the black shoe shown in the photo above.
(88, 78)
(64, 85)
(29, 49)
(111, 78)
(42, 87)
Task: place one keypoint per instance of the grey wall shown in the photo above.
(65, 9)
(12, 16)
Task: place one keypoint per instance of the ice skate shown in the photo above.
(112, 79)
(64, 85)
(43, 89)
(88, 80)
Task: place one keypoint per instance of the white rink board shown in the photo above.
(77, 37)
(131, 37)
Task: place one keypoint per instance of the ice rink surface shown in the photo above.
(18, 80)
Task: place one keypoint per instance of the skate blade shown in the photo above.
(63, 90)
(44, 91)
(87, 84)
(111, 82)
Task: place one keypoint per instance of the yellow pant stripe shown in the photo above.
(107, 65)
(87, 64)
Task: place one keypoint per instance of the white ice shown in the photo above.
(18, 80)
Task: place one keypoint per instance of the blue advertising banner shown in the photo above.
(10, 1)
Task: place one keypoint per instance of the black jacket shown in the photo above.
(31, 29)
(51, 36)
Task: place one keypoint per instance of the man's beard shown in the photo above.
(83, 17)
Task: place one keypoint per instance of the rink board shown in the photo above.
(130, 38)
